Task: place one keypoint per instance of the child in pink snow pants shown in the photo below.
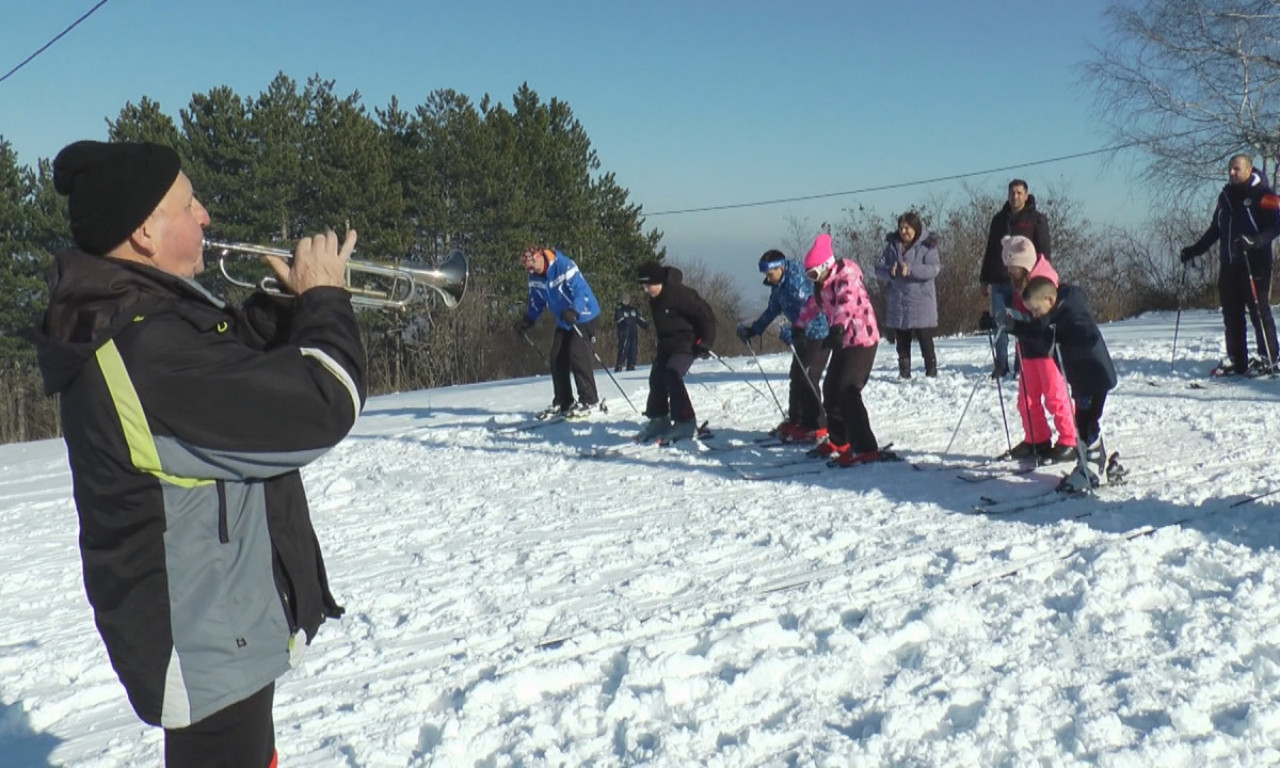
(1041, 385)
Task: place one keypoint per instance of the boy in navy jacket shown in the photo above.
(1061, 317)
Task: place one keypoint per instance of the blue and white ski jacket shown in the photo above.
(562, 287)
(787, 298)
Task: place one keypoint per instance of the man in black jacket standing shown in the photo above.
(186, 421)
(629, 323)
(1244, 224)
(1018, 217)
(686, 329)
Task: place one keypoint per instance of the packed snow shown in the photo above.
(515, 601)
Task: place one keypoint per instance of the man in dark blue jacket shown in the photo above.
(629, 323)
(1244, 224)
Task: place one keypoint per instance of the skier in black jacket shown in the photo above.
(1018, 217)
(686, 329)
(629, 323)
(186, 421)
(1244, 224)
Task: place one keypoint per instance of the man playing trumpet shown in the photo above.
(186, 421)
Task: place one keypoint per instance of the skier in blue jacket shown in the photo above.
(557, 285)
(789, 291)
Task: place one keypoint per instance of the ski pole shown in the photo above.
(608, 373)
(1081, 463)
(956, 431)
(766, 378)
(545, 357)
(807, 379)
(732, 370)
(991, 341)
(1259, 326)
(1177, 321)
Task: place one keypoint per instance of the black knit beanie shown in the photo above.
(652, 273)
(112, 188)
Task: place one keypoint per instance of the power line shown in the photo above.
(45, 47)
(919, 182)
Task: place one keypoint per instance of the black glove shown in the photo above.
(744, 333)
(1243, 244)
(986, 322)
(700, 351)
(1187, 254)
(523, 324)
(569, 317)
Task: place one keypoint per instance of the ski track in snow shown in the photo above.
(512, 603)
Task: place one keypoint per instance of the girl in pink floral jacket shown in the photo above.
(840, 293)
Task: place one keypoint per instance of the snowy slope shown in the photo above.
(514, 603)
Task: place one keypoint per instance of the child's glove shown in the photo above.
(744, 333)
(785, 335)
(1010, 317)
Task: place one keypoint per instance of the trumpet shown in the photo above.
(399, 283)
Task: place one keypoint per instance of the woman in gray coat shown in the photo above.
(910, 266)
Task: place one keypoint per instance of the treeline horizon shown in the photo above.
(491, 180)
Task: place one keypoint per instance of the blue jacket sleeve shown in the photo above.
(818, 328)
(770, 312)
(537, 298)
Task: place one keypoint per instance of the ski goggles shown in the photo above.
(765, 266)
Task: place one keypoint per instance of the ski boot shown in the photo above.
(655, 429)
(581, 410)
(679, 430)
(1082, 479)
(1025, 450)
(555, 409)
(1057, 454)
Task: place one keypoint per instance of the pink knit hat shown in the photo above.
(820, 256)
(1018, 251)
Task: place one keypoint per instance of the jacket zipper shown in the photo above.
(224, 536)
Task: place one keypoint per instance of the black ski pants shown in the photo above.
(807, 365)
(240, 736)
(628, 348)
(902, 338)
(847, 419)
(1236, 296)
(570, 355)
(1089, 417)
(668, 395)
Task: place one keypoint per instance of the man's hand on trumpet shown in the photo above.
(318, 261)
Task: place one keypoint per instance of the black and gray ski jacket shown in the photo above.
(186, 421)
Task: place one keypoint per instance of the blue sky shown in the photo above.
(690, 104)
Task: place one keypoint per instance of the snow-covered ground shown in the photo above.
(512, 602)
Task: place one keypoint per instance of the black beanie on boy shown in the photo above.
(112, 188)
(651, 273)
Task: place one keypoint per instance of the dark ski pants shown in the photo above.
(1001, 298)
(667, 393)
(807, 365)
(847, 420)
(1236, 296)
(239, 736)
(628, 349)
(1089, 416)
(571, 355)
(902, 337)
